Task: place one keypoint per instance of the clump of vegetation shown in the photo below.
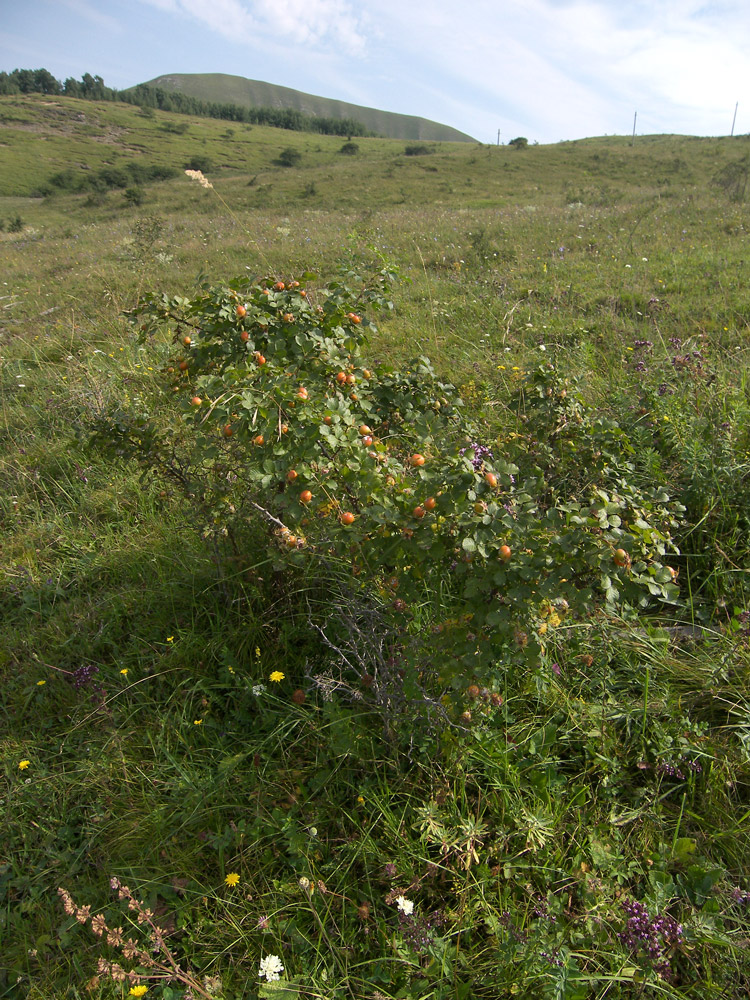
(289, 157)
(107, 178)
(135, 195)
(13, 225)
(418, 149)
(733, 178)
(202, 163)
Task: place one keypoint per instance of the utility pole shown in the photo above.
(635, 117)
(498, 136)
(734, 119)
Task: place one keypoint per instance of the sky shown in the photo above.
(548, 70)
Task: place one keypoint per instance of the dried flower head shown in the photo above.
(197, 175)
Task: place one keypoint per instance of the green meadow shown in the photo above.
(573, 824)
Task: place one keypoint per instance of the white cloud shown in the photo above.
(563, 68)
(331, 24)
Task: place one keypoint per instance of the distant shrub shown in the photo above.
(520, 142)
(16, 225)
(349, 149)
(142, 174)
(732, 179)
(96, 199)
(289, 157)
(418, 149)
(107, 178)
(112, 177)
(202, 163)
(68, 180)
(135, 195)
(175, 128)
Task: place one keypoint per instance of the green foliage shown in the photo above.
(520, 142)
(283, 423)
(202, 163)
(108, 178)
(135, 195)
(289, 157)
(418, 149)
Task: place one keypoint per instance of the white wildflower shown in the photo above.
(405, 905)
(271, 968)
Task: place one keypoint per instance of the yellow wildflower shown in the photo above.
(276, 675)
(232, 879)
(23, 764)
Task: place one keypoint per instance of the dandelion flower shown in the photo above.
(124, 671)
(276, 675)
(405, 905)
(197, 722)
(170, 638)
(271, 968)
(40, 683)
(23, 764)
(137, 991)
(232, 879)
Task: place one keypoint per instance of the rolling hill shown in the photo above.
(222, 87)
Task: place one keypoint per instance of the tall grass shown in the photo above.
(136, 658)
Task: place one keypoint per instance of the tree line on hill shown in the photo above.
(41, 81)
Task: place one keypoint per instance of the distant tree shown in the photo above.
(349, 148)
(9, 84)
(72, 88)
(521, 142)
(46, 83)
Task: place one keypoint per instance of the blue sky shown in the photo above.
(545, 69)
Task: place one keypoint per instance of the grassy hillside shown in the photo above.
(220, 87)
(87, 136)
(568, 822)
